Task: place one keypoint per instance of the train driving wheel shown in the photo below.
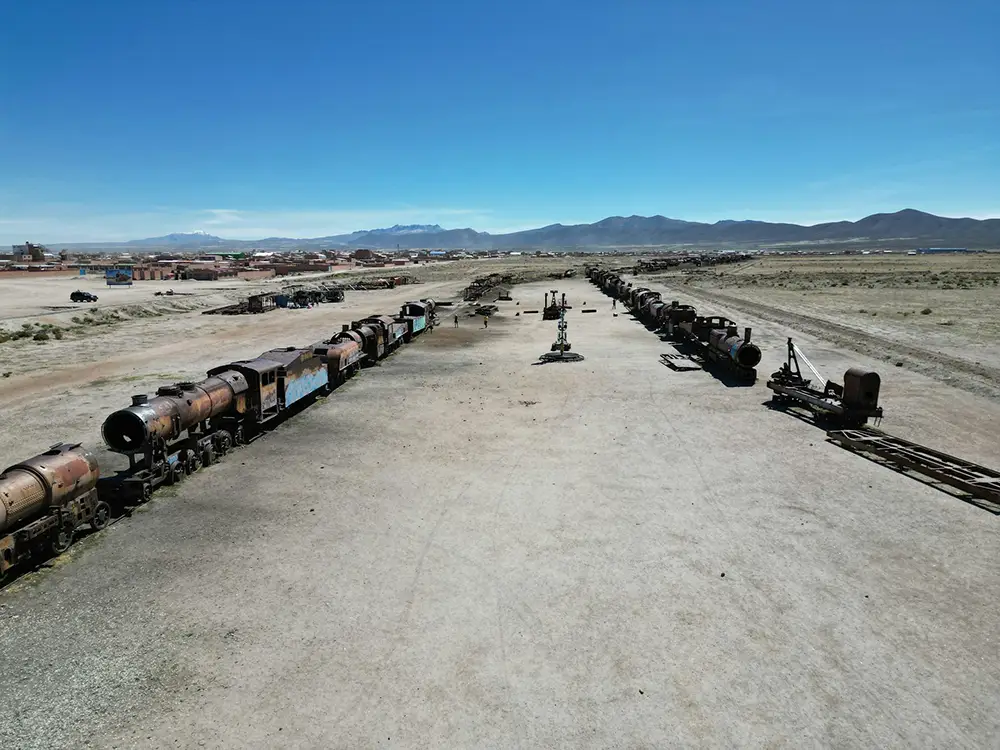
(64, 537)
(102, 515)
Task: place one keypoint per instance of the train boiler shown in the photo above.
(372, 341)
(183, 426)
(44, 500)
(343, 356)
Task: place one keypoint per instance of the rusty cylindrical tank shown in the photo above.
(738, 348)
(55, 477)
(175, 408)
(861, 388)
(340, 353)
(373, 342)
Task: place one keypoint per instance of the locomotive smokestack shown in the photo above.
(748, 355)
(746, 334)
(345, 328)
(139, 398)
(125, 432)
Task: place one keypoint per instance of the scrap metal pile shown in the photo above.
(484, 284)
(296, 296)
(46, 499)
(714, 338)
(652, 265)
(255, 303)
(387, 282)
(312, 294)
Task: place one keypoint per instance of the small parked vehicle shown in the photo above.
(79, 296)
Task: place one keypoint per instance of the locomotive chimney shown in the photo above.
(746, 333)
(345, 328)
(139, 398)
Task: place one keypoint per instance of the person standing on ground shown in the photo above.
(613, 303)
(486, 321)
(456, 321)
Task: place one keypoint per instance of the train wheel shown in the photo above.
(238, 438)
(64, 538)
(101, 517)
(147, 492)
(193, 463)
(225, 443)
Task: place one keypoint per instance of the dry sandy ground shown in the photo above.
(461, 548)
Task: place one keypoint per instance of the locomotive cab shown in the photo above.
(262, 385)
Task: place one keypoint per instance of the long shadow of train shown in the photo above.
(55, 496)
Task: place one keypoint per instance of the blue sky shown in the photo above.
(247, 119)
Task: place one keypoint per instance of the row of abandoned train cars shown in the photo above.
(848, 406)
(717, 338)
(718, 341)
(45, 500)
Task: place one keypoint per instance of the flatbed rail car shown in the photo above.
(851, 404)
(977, 481)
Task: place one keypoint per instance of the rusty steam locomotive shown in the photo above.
(716, 337)
(46, 499)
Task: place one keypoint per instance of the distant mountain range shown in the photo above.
(907, 227)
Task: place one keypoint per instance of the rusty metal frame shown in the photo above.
(978, 481)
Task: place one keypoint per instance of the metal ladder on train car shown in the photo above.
(979, 481)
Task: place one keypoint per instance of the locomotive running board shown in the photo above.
(975, 480)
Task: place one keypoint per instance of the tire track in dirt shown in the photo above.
(979, 379)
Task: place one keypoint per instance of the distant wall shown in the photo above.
(37, 274)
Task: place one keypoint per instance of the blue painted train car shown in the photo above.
(418, 316)
(301, 373)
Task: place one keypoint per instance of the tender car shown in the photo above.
(79, 296)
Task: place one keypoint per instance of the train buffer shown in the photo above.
(680, 362)
(978, 481)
